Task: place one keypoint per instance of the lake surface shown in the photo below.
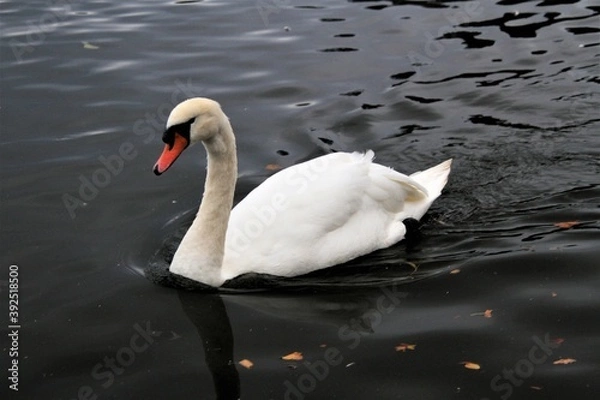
(498, 299)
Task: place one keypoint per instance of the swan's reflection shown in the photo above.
(208, 313)
(354, 315)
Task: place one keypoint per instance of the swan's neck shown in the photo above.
(200, 254)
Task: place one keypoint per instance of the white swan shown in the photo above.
(310, 216)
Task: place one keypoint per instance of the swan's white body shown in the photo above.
(310, 216)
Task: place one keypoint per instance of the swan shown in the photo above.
(310, 216)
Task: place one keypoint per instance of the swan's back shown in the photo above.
(324, 212)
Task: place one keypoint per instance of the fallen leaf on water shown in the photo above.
(566, 224)
(405, 346)
(558, 341)
(89, 46)
(272, 167)
(471, 365)
(486, 314)
(246, 363)
(455, 271)
(564, 361)
(295, 356)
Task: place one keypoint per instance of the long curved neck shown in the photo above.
(219, 189)
(200, 254)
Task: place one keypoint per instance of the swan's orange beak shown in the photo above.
(170, 154)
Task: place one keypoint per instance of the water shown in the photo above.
(508, 89)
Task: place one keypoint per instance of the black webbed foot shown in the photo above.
(413, 231)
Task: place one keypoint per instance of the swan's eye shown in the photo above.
(183, 129)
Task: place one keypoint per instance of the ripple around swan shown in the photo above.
(512, 233)
(378, 269)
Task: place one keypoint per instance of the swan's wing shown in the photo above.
(392, 188)
(316, 214)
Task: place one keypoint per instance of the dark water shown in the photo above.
(509, 89)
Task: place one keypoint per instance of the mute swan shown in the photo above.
(310, 216)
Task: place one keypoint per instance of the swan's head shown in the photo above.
(194, 120)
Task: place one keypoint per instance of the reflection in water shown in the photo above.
(352, 317)
(207, 312)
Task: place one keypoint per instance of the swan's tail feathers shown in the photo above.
(434, 179)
